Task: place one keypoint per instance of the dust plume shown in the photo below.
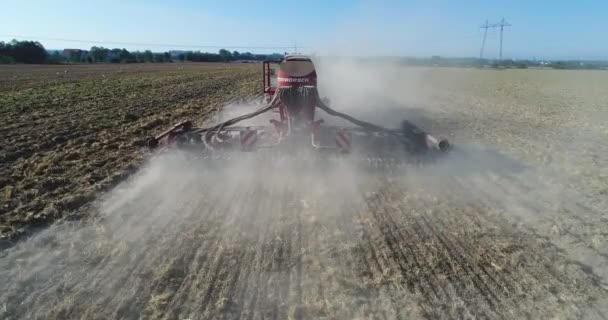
(543, 198)
(142, 230)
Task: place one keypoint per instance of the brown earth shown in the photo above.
(71, 131)
(510, 225)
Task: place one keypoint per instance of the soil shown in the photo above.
(70, 132)
(510, 224)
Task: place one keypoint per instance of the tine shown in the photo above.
(296, 160)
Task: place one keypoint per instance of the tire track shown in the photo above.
(539, 278)
(451, 255)
(394, 245)
(411, 232)
(197, 263)
(464, 265)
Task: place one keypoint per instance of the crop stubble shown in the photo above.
(181, 240)
(68, 135)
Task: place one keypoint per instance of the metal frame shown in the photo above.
(266, 76)
(282, 130)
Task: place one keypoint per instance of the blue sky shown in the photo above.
(541, 29)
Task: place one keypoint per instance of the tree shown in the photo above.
(24, 51)
(5, 54)
(99, 54)
(148, 56)
(114, 55)
(4, 49)
(225, 55)
(124, 56)
(139, 56)
(159, 57)
(247, 56)
(56, 58)
(6, 60)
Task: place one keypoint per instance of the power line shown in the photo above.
(147, 44)
(483, 42)
(502, 24)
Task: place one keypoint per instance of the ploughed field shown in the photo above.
(511, 224)
(69, 132)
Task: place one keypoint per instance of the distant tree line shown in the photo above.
(504, 64)
(22, 52)
(105, 55)
(33, 52)
(591, 65)
(225, 56)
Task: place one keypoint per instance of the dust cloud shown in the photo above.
(545, 199)
(138, 230)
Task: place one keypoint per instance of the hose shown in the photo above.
(212, 132)
(366, 125)
(413, 137)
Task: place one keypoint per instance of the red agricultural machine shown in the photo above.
(290, 88)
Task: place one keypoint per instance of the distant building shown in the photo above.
(175, 53)
(67, 53)
(70, 53)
